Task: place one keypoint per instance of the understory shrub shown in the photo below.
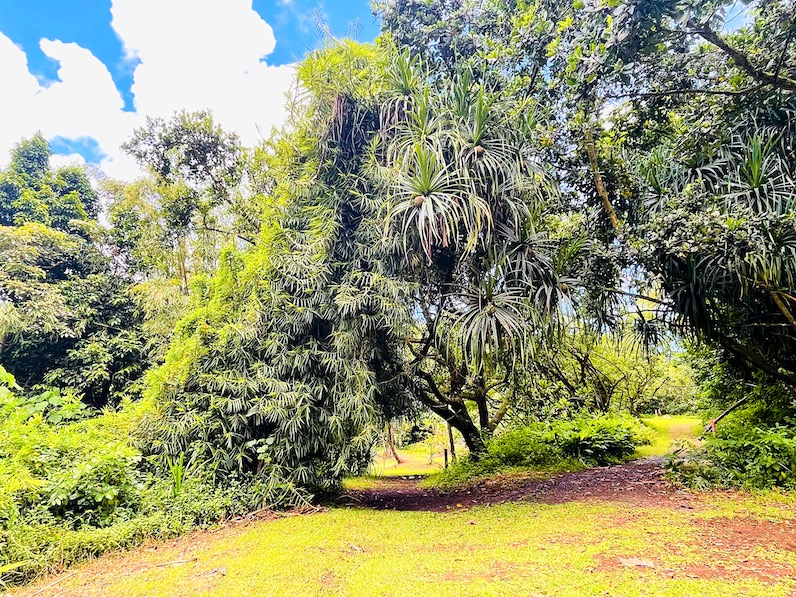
(754, 447)
(584, 440)
(78, 469)
(737, 456)
(72, 486)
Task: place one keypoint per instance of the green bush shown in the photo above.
(751, 457)
(72, 487)
(45, 542)
(524, 446)
(754, 447)
(599, 440)
(565, 444)
(81, 469)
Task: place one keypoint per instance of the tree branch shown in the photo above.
(670, 92)
(635, 295)
(500, 382)
(432, 386)
(784, 52)
(712, 425)
(740, 59)
(598, 181)
(227, 232)
(757, 360)
(502, 410)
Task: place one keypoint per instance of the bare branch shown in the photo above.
(671, 92)
(740, 59)
(598, 182)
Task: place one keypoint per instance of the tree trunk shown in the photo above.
(451, 442)
(483, 412)
(391, 451)
(756, 359)
(598, 182)
(472, 435)
(457, 417)
(453, 411)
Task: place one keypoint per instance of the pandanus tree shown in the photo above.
(704, 141)
(407, 258)
(472, 204)
(698, 95)
(722, 232)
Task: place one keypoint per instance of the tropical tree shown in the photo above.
(277, 371)
(657, 100)
(608, 371)
(65, 317)
(169, 228)
(480, 221)
(711, 178)
(30, 191)
(197, 167)
(409, 251)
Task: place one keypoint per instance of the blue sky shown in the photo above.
(85, 72)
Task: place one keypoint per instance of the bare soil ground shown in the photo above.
(639, 483)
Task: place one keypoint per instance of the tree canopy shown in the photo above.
(65, 318)
(463, 217)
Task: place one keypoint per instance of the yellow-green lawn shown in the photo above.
(668, 430)
(723, 544)
(572, 549)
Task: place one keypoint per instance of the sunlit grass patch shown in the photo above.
(417, 460)
(667, 430)
(569, 549)
(769, 504)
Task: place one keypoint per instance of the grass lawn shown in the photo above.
(721, 543)
(572, 549)
(417, 459)
(667, 430)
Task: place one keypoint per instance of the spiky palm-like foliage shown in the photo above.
(721, 236)
(391, 273)
(472, 204)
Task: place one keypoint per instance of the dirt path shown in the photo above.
(619, 530)
(639, 483)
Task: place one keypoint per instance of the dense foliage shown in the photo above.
(65, 317)
(751, 438)
(504, 213)
(579, 441)
(72, 486)
(674, 120)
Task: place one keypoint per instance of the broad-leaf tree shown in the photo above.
(65, 317)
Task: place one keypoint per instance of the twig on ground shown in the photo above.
(174, 563)
(161, 565)
(52, 584)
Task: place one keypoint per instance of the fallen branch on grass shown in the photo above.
(161, 565)
(52, 584)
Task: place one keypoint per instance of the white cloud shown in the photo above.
(204, 54)
(193, 54)
(73, 159)
(84, 103)
(20, 88)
